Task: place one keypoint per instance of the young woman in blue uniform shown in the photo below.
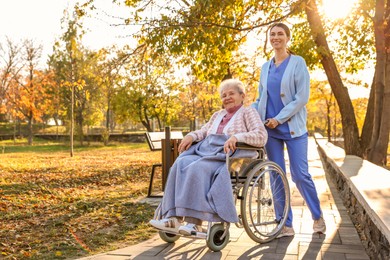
(283, 93)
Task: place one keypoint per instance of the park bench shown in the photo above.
(167, 142)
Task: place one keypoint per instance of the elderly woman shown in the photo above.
(198, 186)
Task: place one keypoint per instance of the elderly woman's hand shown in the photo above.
(185, 143)
(230, 144)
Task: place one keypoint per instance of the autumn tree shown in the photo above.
(29, 91)
(149, 90)
(209, 53)
(205, 35)
(10, 66)
(111, 71)
(324, 114)
(201, 99)
(320, 108)
(76, 68)
(197, 103)
(63, 62)
(374, 139)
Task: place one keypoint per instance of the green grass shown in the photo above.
(42, 145)
(53, 206)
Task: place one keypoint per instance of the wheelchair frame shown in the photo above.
(262, 190)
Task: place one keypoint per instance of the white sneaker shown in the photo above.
(286, 232)
(319, 225)
(189, 229)
(166, 224)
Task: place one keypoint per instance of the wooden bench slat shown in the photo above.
(169, 153)
(154, 138)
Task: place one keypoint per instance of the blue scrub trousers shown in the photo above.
(297, 153)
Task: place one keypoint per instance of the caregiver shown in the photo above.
(283, 93)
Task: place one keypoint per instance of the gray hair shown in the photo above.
(237, 84)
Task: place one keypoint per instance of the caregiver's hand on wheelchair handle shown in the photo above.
(271, 123)
(230, 144)
(185, 143)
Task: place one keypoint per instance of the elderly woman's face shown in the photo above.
(231, 97)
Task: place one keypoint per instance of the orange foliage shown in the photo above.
(31, 98)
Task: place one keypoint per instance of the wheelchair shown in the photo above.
(262, 198)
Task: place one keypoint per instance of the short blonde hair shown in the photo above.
(232, 83)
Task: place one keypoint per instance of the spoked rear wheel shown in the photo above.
(266, 201)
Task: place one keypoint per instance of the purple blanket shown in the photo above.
(199, 183)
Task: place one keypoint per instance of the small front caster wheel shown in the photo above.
(214, 241)
(168, 237)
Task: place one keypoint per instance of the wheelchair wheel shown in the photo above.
(168, 237)
(265, 202)
(214, 241)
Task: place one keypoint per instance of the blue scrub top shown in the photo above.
(274, 102)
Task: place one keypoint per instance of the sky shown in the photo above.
(40, 21)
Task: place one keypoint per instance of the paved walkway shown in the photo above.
(341, 240)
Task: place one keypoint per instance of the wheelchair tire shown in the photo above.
(214, 241)
(168, 237)
(265, 188)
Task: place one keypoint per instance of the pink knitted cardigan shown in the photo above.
(245, 125)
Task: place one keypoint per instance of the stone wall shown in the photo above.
(373, 238)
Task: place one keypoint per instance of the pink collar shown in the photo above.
(233, 110)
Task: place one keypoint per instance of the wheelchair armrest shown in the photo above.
(245, 146)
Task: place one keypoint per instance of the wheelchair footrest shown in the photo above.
(198, 234)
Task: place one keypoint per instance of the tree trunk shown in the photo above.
(328, 104)
(30, 129)
(193, 124)
(80, 124)
(380, 137)
(108, 115)
(14, 136)
(147, 126)
(368, 122)
(378, 154)
(159, 124)
(350, 128)
(108, 119)
(165, 116)
(19, 128)
(143, 118)
(71, 134)
(379, 82)
(57, 125)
